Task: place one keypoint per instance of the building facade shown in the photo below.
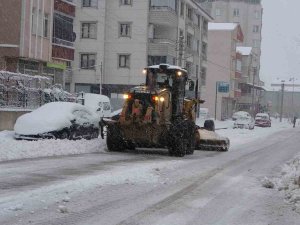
(250, 86)
(133, 34)
(248, 13)
(25, 37)
(37, 37)
(224, 65)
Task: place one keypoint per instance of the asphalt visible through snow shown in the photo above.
(149, 187)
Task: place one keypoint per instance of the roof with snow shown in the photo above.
(222, 26)
(244, 50)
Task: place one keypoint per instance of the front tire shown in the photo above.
(114, 140)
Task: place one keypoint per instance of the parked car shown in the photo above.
(62, 120)
(239, 114)
(244, 123)
(262, 120)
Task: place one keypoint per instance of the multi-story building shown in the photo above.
(25, 37)
(248, 13)
(133, 34)
(63, 38)
(224, 65)
(250, 86)
(88, 65)
(37, 37)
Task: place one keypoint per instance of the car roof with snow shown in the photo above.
(53, 116)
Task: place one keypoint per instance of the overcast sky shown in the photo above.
(280, 40)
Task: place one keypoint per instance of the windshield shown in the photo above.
(157, 79)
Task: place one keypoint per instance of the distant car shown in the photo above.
(244, 123)
(239, 114)
(58, 120)
(262, 120)
(98, 103)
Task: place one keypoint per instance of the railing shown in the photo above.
(162, 41)
(62, 42)
(20, 91)
(163, 8)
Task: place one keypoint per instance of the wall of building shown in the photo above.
(135, 46)
(10, 23)
(219, 69)
(89, 45)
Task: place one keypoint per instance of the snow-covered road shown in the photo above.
(150, 187)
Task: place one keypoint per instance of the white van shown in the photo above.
(99, 104)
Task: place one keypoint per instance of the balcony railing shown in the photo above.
(63, 43)
(163, 8)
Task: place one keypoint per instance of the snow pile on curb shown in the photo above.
(289, 183)
(11, 149)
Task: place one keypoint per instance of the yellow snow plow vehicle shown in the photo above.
(161, 114)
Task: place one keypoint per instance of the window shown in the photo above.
(239, 66)
(88, 61)
(204, 51)
(181, 33)
(203, 77)
(255, 29)
(256, 14)
(189, 40)
(236, 12)
(89, 30)
(90, 3)
(156, 60)
(182, 9)
(189, 13)
(125, 30)
(188, 66)
(124, 61)
(63, 27)
(33, 21)
(256, 43)
(46, 25)
(218, 12)
(126, 2)
(199, 20)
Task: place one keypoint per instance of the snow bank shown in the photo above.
(289, 182)
(50, 117)
(11, 149)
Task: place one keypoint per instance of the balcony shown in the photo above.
(163, 15)
(237, 93)
(162, 47)
(63, 43)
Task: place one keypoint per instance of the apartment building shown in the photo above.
(37, 37)
(127, 35)
(250, 86)
(224, 65)
(25, 37)
(63, 38)
(248, 13)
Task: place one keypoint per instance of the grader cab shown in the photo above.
(158, 114)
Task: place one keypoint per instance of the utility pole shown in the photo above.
(216, 100)
(281, 107)
(253, 83)
(180, 52)
(100, 86)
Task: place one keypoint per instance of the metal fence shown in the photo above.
(29, 92)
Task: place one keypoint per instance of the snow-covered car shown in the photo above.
(244, 123)
(262, 120)
(239, 114)
(62, 120)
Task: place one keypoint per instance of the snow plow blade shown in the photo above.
(209, 140)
